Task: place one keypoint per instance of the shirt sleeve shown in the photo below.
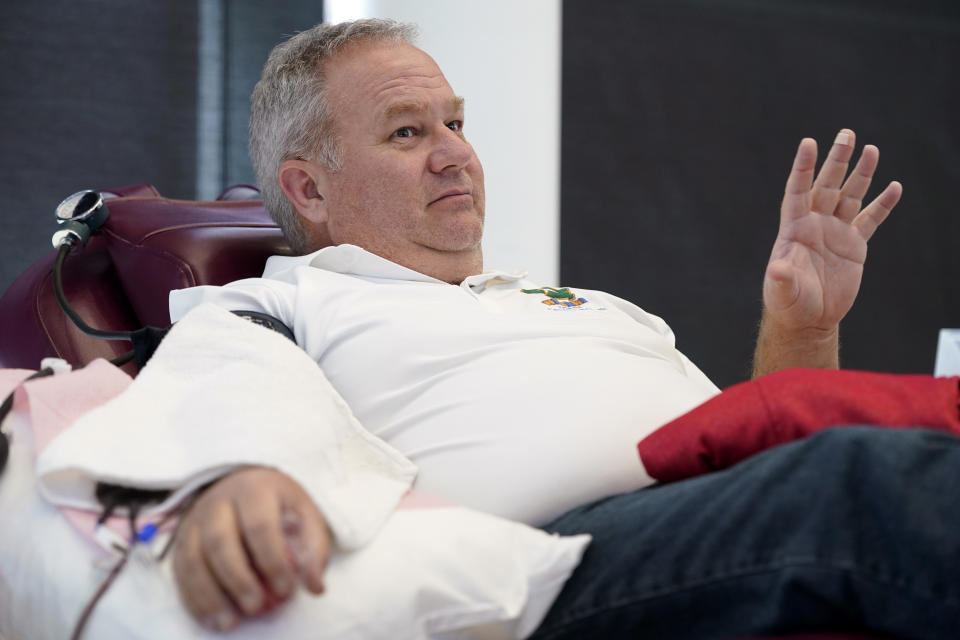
(252, 294)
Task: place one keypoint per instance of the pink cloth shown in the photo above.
(53, 403)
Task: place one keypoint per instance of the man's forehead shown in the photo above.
(365, 70)
(405, 106)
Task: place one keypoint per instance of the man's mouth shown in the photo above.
(452, 194)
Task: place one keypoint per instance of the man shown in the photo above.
(359, 143)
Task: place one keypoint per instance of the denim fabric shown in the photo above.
(853, 528)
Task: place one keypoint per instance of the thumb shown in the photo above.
(780, 285)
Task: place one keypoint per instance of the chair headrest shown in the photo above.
(158, 244)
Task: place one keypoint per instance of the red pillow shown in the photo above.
(788, 405)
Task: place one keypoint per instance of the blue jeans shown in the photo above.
(855, 528)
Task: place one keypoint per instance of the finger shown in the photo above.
(826, 188)
(856, 186)
(198, 588)
(308, 541)
(796, 197)
(877, 211)
(228, 561)
(263, 535)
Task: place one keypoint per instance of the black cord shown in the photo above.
(67, 309)
(118, 361)
(5, 409)
(112, 496)
(145, 340)
(7, 405)
(123, 359)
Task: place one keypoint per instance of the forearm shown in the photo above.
(779, 348)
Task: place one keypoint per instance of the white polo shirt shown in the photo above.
(522, 404)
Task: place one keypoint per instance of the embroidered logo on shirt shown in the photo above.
(558, 297)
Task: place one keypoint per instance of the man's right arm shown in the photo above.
(816, 263)
(245, 543)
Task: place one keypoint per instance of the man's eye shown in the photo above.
(455, 125)
(404, 132)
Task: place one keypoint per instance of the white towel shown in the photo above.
(218, 394)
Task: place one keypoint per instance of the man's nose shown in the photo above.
(452, 151)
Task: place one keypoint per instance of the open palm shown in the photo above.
(817, 260)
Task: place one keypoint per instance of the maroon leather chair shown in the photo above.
(148, 246)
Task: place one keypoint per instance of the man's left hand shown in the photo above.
(817, 260)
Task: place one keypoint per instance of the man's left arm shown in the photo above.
(817, 260)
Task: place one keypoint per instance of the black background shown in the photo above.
(680, 121)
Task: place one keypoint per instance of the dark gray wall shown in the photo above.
(103, 93)
(92, 94)
(253, 28)
(680, 120)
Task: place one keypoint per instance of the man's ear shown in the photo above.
(304, 183)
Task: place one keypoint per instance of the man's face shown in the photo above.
(411, 187)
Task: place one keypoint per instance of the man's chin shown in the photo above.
(464, 239)
(452, 231)
(461, 205)
(446, 261)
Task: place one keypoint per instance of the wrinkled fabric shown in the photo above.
(850, 529)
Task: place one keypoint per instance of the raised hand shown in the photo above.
(817, 260)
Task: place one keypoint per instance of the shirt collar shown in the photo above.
(353, 260)
(481, 281)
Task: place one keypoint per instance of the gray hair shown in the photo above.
(290, 116)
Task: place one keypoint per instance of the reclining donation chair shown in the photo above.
(148, 246)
